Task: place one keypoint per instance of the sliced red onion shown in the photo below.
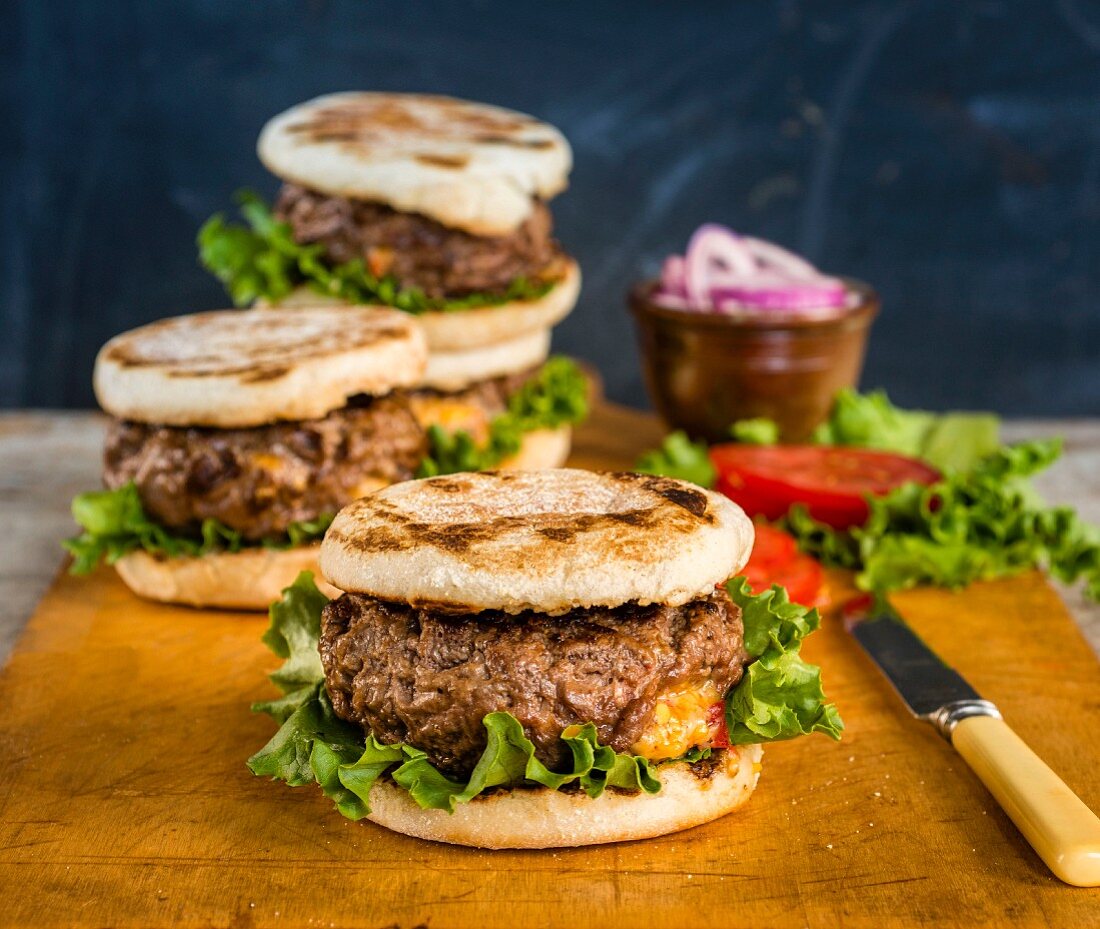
(712, 245)
(729, 273)
(672, 276)
(781, 259)
(791, 297)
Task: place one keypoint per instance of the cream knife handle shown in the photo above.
(1063, 831)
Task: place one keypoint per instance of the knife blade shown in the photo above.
(1059, 826)
(933, 691)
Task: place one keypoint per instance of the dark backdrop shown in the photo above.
(948, 152)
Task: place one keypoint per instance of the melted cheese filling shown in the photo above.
(451, 415)
(681, 722)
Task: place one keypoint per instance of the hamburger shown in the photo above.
(427, 204)
(537, 659)
(236, 436)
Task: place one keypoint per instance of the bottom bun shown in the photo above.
(247, 580)
(541, 449)
(544, 818)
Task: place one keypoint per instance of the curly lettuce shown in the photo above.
(779, 698)
(556, 396)
(979, 524)
(114, 524)
(261, 260)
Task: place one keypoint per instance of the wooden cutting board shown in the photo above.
(125, 801)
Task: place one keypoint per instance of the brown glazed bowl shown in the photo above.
(706, 370)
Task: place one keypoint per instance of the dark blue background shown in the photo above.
(948, 152)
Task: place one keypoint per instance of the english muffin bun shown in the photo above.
(543, 818)
(465, 330)
(467, 165)
(548, 541)
(489, 325)
(233, 369)
(251, 579)
(453, 371)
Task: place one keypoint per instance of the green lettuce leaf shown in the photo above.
(681, 458)
(313, 745)
(780, 696)
(780, 701)
(773, 624)
(949, 441)
(115, 524)
(555, 396)
(759, 431)
(262, 260)
(983, 523)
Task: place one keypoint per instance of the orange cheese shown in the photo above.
(680, 722)
(451, 415)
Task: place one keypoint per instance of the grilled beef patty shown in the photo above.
(259, 480)
(428, 678)
(416, 250)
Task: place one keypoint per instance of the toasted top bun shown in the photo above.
(467, 165)
(456, 370)
(548, 541)
(475, 328)
(231, 369)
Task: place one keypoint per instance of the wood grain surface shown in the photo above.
(125, 801)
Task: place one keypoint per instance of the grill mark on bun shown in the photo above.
(395, 531)
(443, 161)
(271, 373)
(694, 501)
(244, 354)
(358, 121)
(452, 485)
(518, 143)
(248, 374)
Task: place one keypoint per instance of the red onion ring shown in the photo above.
(792, 297)
(727, 273)
(712, 245)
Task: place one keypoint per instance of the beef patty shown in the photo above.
(416, 250)
(429, 678)
(259, 480)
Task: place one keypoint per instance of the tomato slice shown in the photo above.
(831, 481)
(716, 720)
(772, 546)
(776, 560)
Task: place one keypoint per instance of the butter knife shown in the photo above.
(1063, 831)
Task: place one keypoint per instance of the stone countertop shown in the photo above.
(47, 457)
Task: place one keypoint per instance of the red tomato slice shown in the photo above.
(772, 546)
(776, 560)
(716, 719)
(831, 481)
